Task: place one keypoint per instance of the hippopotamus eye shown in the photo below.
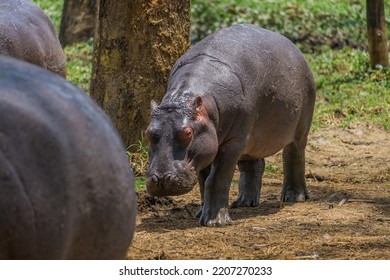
(185, 135)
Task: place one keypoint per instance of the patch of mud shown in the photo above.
(147, 203)
(347, 216)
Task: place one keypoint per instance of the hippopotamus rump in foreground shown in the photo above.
(240, 95)
(66, 186)
(27, 33)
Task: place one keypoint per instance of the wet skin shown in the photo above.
(240, 95)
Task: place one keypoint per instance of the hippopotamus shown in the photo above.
(27, 33)
(66, 185)
(240, 95)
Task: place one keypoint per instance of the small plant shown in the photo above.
(140, 183)
(272, 169)
(138, 156)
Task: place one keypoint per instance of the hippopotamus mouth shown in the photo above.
(171, 183)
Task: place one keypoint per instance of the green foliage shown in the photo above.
(140, 183)
(138, 155)
(271, 169)
(348, 90)
(307, 22)
(79, 63)
(53, 8)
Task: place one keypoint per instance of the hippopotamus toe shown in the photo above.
(295, 196)
(222, 219)
(245, 201)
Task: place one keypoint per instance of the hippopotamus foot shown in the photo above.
(221, 219)
(294, 186)
(293, 195)
(251, 172)
(243, 201)
(214, 209)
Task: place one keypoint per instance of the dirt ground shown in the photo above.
(347, 216)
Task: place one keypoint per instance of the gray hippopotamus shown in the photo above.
(66, 186)
(27, 33)
(240, 95)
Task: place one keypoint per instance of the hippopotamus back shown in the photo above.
(244, 67)
(27, 33)
(66, 186)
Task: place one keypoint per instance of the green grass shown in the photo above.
(140, 183)
(272, 169)
(347, 89)
(306, 22)
(138, 156)
(79, 63)
(53, 8)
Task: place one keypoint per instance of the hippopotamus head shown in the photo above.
(182, 141)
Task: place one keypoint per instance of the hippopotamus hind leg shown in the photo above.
(294, 186)
(251, 173)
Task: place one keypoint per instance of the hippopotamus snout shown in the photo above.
(180, 180)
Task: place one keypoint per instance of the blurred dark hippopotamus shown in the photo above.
(27, 33)
(240, 95)
(66, 186)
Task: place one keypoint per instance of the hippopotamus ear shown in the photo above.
(153, 105)
(198, 103)
(199, 110)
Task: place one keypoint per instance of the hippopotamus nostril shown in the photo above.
(154, 179)
(168, 179)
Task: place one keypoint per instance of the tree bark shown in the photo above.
(136, 44)
(78, 21)
(376, 33)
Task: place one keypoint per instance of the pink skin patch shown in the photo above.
(185, 135)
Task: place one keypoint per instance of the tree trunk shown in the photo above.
(78, 21)
(376, 32)
(136, 44)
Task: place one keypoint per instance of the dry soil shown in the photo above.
(346, 217)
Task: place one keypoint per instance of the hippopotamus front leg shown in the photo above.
(251, 173)
(294, 186)
(216, 189)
